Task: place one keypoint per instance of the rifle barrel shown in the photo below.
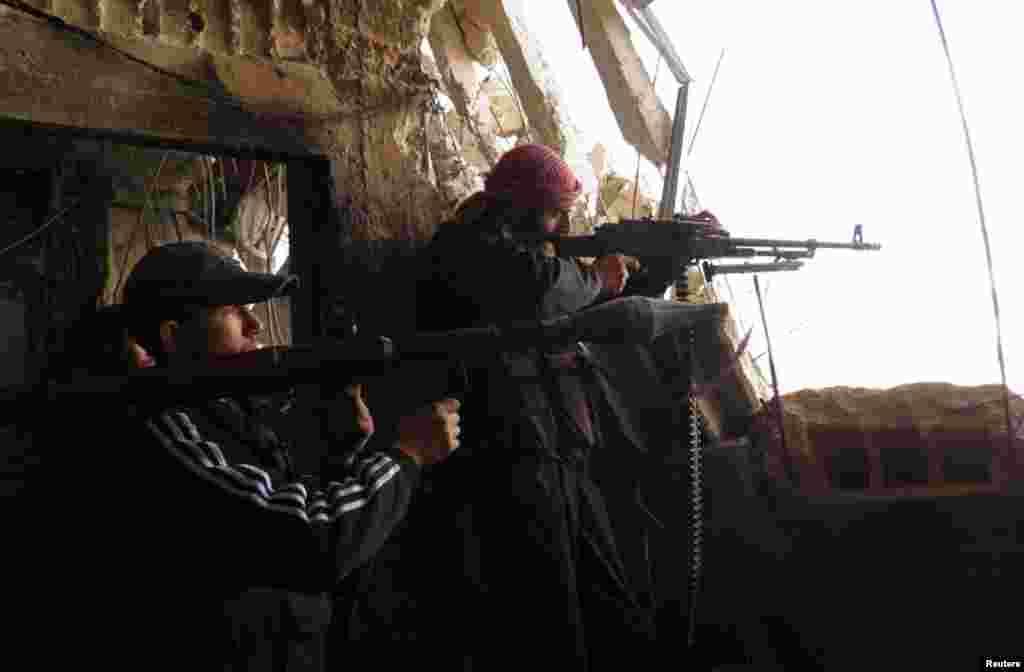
(578, 246)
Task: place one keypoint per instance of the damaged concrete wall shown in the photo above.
(341, 78)
(537, 92)
(733, 393)
(457, 69)
(928, 437)
(500, 86)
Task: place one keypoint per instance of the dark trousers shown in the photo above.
(553, 584)
(518, 570)
(277, 631)
(510, 563)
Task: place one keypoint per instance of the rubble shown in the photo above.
(476, 35)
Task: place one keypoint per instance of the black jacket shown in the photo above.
(525, 531)
(475, 274)
(151, 531)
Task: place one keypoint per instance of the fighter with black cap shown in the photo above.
(206, 548)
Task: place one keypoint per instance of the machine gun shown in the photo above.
(665, 247)
(627, 320)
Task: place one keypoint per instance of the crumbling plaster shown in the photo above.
(539, 94)
(368, 112)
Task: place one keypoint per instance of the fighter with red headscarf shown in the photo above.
(530, 190)
(542, 576)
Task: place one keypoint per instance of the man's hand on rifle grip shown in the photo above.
(357, 406)
(614, 273)
(431, 434)
(346, 417)
(711, 221)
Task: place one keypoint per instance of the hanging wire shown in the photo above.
(268, 265)
(47, 224)
(212, 222)
(282, 203)
(981, 221)
(279, 222)
(704, 107)
(272, 217)
(271, 210)
(223, 180)
(202, 188)
(148, 204)
(689, 150)
(123, 270)
(693, 138)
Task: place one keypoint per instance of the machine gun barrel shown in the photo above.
(685, 241)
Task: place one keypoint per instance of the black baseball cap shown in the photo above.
(193, 273)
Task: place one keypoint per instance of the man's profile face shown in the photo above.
(214, 331)
(231, 330)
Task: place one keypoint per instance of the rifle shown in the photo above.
(665, 247)
(334, 362)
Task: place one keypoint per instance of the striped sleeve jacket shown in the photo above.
(273, 532)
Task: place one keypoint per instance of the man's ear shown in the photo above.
(169, 330)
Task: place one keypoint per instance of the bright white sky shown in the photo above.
(827, 114)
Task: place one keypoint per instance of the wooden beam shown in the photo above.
(60, 79)
(643, 120)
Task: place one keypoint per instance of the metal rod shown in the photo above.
(675, 155)
(771, 365)
(644, 28)
(664, 45)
